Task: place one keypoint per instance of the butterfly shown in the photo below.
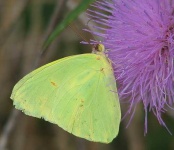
(78, 93)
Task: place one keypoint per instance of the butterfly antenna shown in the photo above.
(89, 28)
(75, 29)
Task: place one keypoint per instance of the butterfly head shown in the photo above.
(98, 48)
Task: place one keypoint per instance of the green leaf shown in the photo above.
(66, 21)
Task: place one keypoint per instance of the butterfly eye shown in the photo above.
(101, 47)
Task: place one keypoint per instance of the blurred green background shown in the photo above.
(24, 27)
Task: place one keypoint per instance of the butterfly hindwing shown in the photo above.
(78, 93)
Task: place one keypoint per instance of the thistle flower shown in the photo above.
(139, 37)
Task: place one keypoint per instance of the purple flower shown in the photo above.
(139, 37)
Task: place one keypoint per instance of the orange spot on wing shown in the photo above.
(98, 57)
(102, 70)
(82, 100)
(53, 83)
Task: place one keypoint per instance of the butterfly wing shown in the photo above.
(78, 93)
